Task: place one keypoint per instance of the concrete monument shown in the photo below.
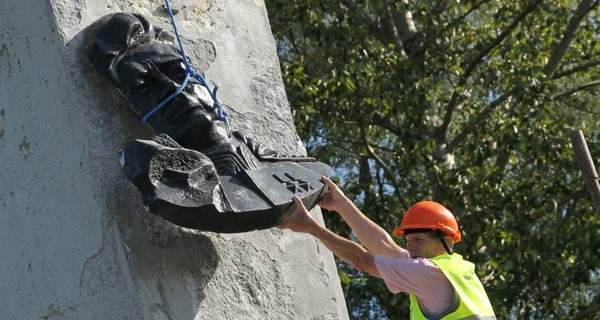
(76, 241)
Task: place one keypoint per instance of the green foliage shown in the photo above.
(470, 103)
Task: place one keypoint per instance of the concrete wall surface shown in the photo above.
(75, 239)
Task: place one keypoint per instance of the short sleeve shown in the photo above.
(420, 277)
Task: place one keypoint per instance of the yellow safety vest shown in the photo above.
(470, 300)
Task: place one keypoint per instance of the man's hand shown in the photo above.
(351, 252)
(300, 220)
(334, 197)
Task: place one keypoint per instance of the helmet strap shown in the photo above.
(448, 250)
(441, 235)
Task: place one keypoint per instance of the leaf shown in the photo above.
(511, 176)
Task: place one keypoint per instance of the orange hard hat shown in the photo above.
(430, 215)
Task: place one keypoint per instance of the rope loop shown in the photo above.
(222, 114)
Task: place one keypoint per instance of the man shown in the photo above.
(441, 284)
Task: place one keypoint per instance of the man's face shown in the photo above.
(423, 245)
(147, 75)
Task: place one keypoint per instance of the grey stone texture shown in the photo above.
(75, 240)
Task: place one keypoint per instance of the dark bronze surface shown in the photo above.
(193, 173)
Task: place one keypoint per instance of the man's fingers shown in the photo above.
(327, 181)
(299, 203)
(332, 186)
(297, 200)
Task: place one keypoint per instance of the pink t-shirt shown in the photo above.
(418, 276)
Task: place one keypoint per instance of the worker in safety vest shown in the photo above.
(441, 284)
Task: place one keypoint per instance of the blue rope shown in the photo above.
(222, 114)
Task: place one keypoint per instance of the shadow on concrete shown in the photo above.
(170, 266)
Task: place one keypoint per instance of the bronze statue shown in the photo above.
(195, 173)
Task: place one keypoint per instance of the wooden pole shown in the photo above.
(586, 165)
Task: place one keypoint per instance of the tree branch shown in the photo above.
(434, 181)
(339, 143)
(588, 85)
(475, 124)
(405, 27)
(592, 309)
(585, 66)
(584, 7)
(460, 18)
(388, 171)
(470, 66)
(385, 124)
(389, 29)
(292, 39)
(587, 110)
(349, 3)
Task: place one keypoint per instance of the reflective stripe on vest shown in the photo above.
(470, 300)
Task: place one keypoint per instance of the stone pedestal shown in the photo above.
(76, 241)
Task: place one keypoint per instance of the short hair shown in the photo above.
(436, 233)
(409, 231)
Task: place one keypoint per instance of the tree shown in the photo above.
(469, 103)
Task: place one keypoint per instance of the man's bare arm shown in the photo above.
(349, 251)
(371, 235)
